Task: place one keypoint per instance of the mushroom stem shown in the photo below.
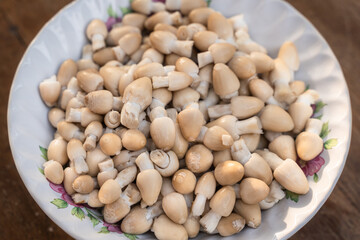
(97, 41)
(219, 110)
(275, 195)
(143, 162)
(210, 221)
(154, 211)
(80, 165)
(251, 125)
(271, 158)
(198, 205)
(130, 114)
(202, 133)
(314, 126)
(205, 58)
(126, 176)
(160, 81)
(240, 152)
(119, 53)
(90, 142)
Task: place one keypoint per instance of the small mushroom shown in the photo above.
(83, 115)
(67, 71)
(133, 140)
(297, 87)
(162, 129)
(93, 158)
(219, 24)
(257, 167)
(200, 15)
(252, 140)
(282, 122)
(308, 143)
(205, 189)
(186, 32)
(166, 43)
(198, 158)
(103, 56)
(241, 107)
(228, 172)
(69, 176)
(92, 133)
(242, 66)
(134, 19)
(166, 163)
(275, 195)
(263, 62)
(215, 138)
(301, 109)
(221, 204)
(165, 27)
(50, 91)
(174, 81)
(90, 80)
(216, 53)
(96, 32)
(186, 65)
(163, 17)
(127, 45)
(250, 212)
(230, 225)
(111, 76)
(106, 171)
(110, 144)
(91, 199)
(117, 33)
(112, 119)
(190, 121)
(55, 116)
(262, 90)
(175, 208)
(253, 190)
(83, 184)
(204, 39)
(165, 229)
(184, 98)
(53, 171)
(57, 151)
(184, 181)
(147, 6)
(181, 145)
(284, 146)
(69, 93)
(240, 152)
(289, 55)
(152, 69)
(77, 155)
(287, 173)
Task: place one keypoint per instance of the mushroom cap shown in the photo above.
(204, 39)
(184, 181)
(290, 176)
(253, 190)
(134, 19)
(190, 121)
(116, 211)
(216, 138)
(163, 95)
(192, 226)
(90, 80)
(55, 116)
(206, 185)
(93, 158)
(227, 122)
(171, 168)
(69, 176)
(184, 97)
(230, 225)
(260, 89)
(57, 151)
(225, 81)
(75, 149)
(94, 128)
(274, 118)
(300, 113)
(67, 70)
(160, 17)
(252, 141)
(163, 41)
(50, 91)
(243, 67)
(198, 158)
(83, 184)
(258, 168)
(229, 172)
(130, 42)
(251, 213)
(165, 27)
(100, 101)
(165, 229)
(178, 80)
(244, 107)
(220, 25)
(200, 15)
(297, 87)
(149, 70)
(221, 156)
(110, 144)
(133, 140)
(284, 147)
(288, 53)
(223, 201)
(136, 221)
(96, 26)
(188, 5)
(117, 33)
(149, 183)
(222, 52)
(175, 208)
(262, 61)
(54, 172)
(140, 92)
(102, 56)
(154, 55)
(162, 131)
(308, 145)
(186, 65)
(181, 145)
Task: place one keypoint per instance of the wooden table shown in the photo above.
(338, 21)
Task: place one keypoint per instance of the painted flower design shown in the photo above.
(311, 167)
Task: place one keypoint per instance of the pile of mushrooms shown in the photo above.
(176, 122)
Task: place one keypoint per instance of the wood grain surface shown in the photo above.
(338, 21)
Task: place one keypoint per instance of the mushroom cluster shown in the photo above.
(176, 121)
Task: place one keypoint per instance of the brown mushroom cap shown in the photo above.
(115, 211)
(184, 181)
(308, 145)
(109, 192)
(69, 176)
(130, 42)
(276, 119)
(184, 97)
(245, 106)
(300, 113)
(117, 33)
(251, 213)
(67, 70)
(50, 90)
(204, 39)
(230, 225)
(110, 144)
(93, 158)
(165, 27)
(190, 121)
(149, 183)
(260, 89)
(223, 201)
(162, 17)
(103, 56)
(225, 82)
(134, 19)
(57, 151)
(206, 185)
(133, 140)
(111, 76)
(220, 25)
(198, 158)
(263, 62)
(162, 131)
(165, 229)
(55, 116)
(253, 190)
(83, 184)
(140, 92)
(96, 26)
(258, 168)
(243, 67)
(200, 15)
(297, 87)
(136, 222)
(90, 80)
(175, 208)
(181, 145)
(284, 146)
(288, 53)
(228, 172)
(100, 101)
(53, 171)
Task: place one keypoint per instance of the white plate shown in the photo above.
(271, 22)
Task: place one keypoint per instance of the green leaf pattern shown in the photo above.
(293, 196)
(104, 230)
(329, 144)
(316, 178)
(131, 236)
(78, 212)
(44, 153)
(325, 130)
(59, 203)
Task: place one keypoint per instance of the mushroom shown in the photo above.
(69, 176)
(289, 55)
(162, 129)
(308, 143)
(241, 107)
(53, 171)
(137, 96)
(117, 33)
(170, 59)
(163, 17)
(140, 220)
(275, 195)
(127, 45)
(184, 98)
(126, 158)
(166, 43)
(174, 81)
(134, 19)
(185, 6)
(103, 56)
(86, 61)
(117, 210)
(221, 204)
(204, 39)
(165, 229)
(106, 171)
(160, 98)
(236, 128)
(90, 80)
(166, 187)
(175, 208)
(147, 6)
(181, 145)
(257, 167)
(152, 69)
(281, 123)
(216, 53)
(112, 119)
(262, 61)
(91, 199)
(93, 158)
(250, 212)
(240, 152)
(221, 26)
(206, 78)
(301, 110)
(198, 158)
(148, 180)
(69, 93)
(166, 163)
(262, 90)
(165, 27)
(287, 173)
(83, 115)
(186, 32)
(57, 151)
(200, 15)
(246, 44)
(137, 56)
(186, 65)
(192, 226)
(230, 225)
(67, 71)
(297, 87)
(284, 146)
(50, 90)
(96, 32)
(252, 140)
(111, 76)
(221, 156)
(55, 116)
(92, 133)
(205, 189)
(77, 155)
(190, 121)
(242, 66)
(228, 172)
(253, 190)
(110, 144)
(210, 100)
(184, 181)
(83, 184)
(133, 140)
(215, 138)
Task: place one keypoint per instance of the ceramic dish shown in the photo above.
(271, 22)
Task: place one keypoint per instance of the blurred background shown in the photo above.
(338, 21)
